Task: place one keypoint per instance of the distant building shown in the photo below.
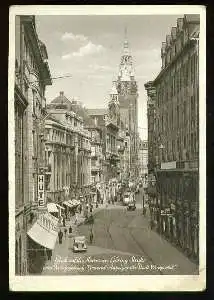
(174, 120)
(69, 145)
(127, 90)
(143, 158)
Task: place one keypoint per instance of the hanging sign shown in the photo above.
(41, 191)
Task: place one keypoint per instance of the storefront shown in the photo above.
(42, 237)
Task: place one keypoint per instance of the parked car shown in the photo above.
(79, 244)
(131, 206)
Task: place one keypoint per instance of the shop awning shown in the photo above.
(44, 231)
(52, 207)
(74, 202)
(59, 206)
(67, 203)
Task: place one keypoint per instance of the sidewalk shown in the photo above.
(160, 250)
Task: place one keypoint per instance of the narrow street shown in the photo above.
(123, 244)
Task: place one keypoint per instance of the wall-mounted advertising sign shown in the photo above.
(41, 191)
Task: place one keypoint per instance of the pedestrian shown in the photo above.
(60, 235)
(144, 211)
(151, 224)
(91, 237)
(63, 222)
(49, 254)
(65, 232)
(70, 230)
(80, 209)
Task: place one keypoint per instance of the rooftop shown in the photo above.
(192, 18)
(61, 99)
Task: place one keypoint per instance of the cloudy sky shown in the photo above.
(89, 48)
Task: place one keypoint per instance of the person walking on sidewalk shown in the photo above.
(49, 254)
(91, 237)
(60, 235)
(65, 232)
(70, 230)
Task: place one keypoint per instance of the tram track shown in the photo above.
(129, 230)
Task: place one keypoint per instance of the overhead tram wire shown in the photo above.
(53, 78)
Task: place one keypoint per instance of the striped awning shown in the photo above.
(44, 231)
(67, 203)
(59, 206)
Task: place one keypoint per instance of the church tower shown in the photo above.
(127, 97)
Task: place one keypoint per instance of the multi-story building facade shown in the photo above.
(123, 148)
(96, 154)
(128, 96)
(175, 100)
(143, 158)
(32, 76)
(68, 148)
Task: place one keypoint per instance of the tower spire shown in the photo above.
(126, 43)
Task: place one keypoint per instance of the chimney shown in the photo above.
(61, 93)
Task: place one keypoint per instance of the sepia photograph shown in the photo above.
(107, 147)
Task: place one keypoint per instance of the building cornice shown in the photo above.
(33, 38)
(183, 51)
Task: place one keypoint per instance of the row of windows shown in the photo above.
(19, 174)
(179, 116)
(63, 178)
(186, 74)
(184, 148)
(29, 57)
(175, 48)
(73, 121)
(69, 139)
(110, 143)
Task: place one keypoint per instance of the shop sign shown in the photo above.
(41, 191)
(168, 165)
